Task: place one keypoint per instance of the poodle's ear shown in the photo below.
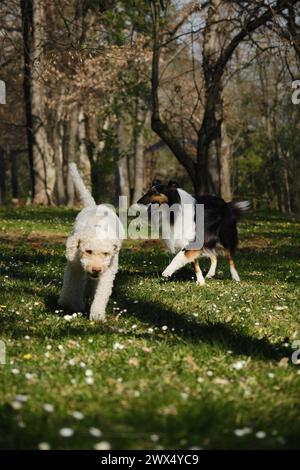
(72, 246)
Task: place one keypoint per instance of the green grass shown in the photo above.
(175, 387)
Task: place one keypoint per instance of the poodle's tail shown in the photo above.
(85, 196)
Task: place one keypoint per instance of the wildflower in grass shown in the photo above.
(22, 398)
(154, 438)
(95, 432)
(260, 435)
(77, 415)
(16, 405)
(29, 376)
(89, 373)
(239, 365)
(44, 446)
(15, 371)
(164, 328)
(89, 380)
(242, 432)
(104, 445)
(48, 407)
(118, 346)
(66, 432)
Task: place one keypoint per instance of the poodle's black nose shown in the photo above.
(96, 271)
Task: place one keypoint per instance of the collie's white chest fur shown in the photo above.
(182, 231)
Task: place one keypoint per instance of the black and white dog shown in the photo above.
(220, 227)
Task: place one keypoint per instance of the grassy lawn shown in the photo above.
(174, 366)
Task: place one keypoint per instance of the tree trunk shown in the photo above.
(225, 163)
(14, 175)
(141, 118)
(123, 180)
(58, 142)
(72, 153)
(27, 31)
(59, 148)
(2, 177)
(41, 156)
(210, 133)
(84, 163)
(124, 174)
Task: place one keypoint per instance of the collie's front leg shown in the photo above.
(199, 276)
(181, 259)
(213, 266)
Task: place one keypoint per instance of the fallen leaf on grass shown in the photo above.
(147, 350)
(284, 362)
(191, 362)
(134, 362)
(219, 381)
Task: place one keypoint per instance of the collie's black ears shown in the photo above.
(173, 185)
(156, 182)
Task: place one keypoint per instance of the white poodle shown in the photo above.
(92, 254)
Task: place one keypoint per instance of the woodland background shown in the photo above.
(138, 90)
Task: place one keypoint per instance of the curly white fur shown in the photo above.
(92, 255)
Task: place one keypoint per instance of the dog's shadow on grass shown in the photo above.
(185, 327)
(189, 329)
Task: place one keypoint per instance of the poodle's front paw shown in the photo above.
(167, 272)
(97, 316)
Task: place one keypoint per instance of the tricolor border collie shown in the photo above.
(220, 227)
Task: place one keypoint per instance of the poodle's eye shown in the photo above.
(89, 252)
(105, 254)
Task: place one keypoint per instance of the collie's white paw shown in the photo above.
(200, 282)
(96, 316)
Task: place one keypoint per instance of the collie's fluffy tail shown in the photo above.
(238, 208)
(85, 196)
